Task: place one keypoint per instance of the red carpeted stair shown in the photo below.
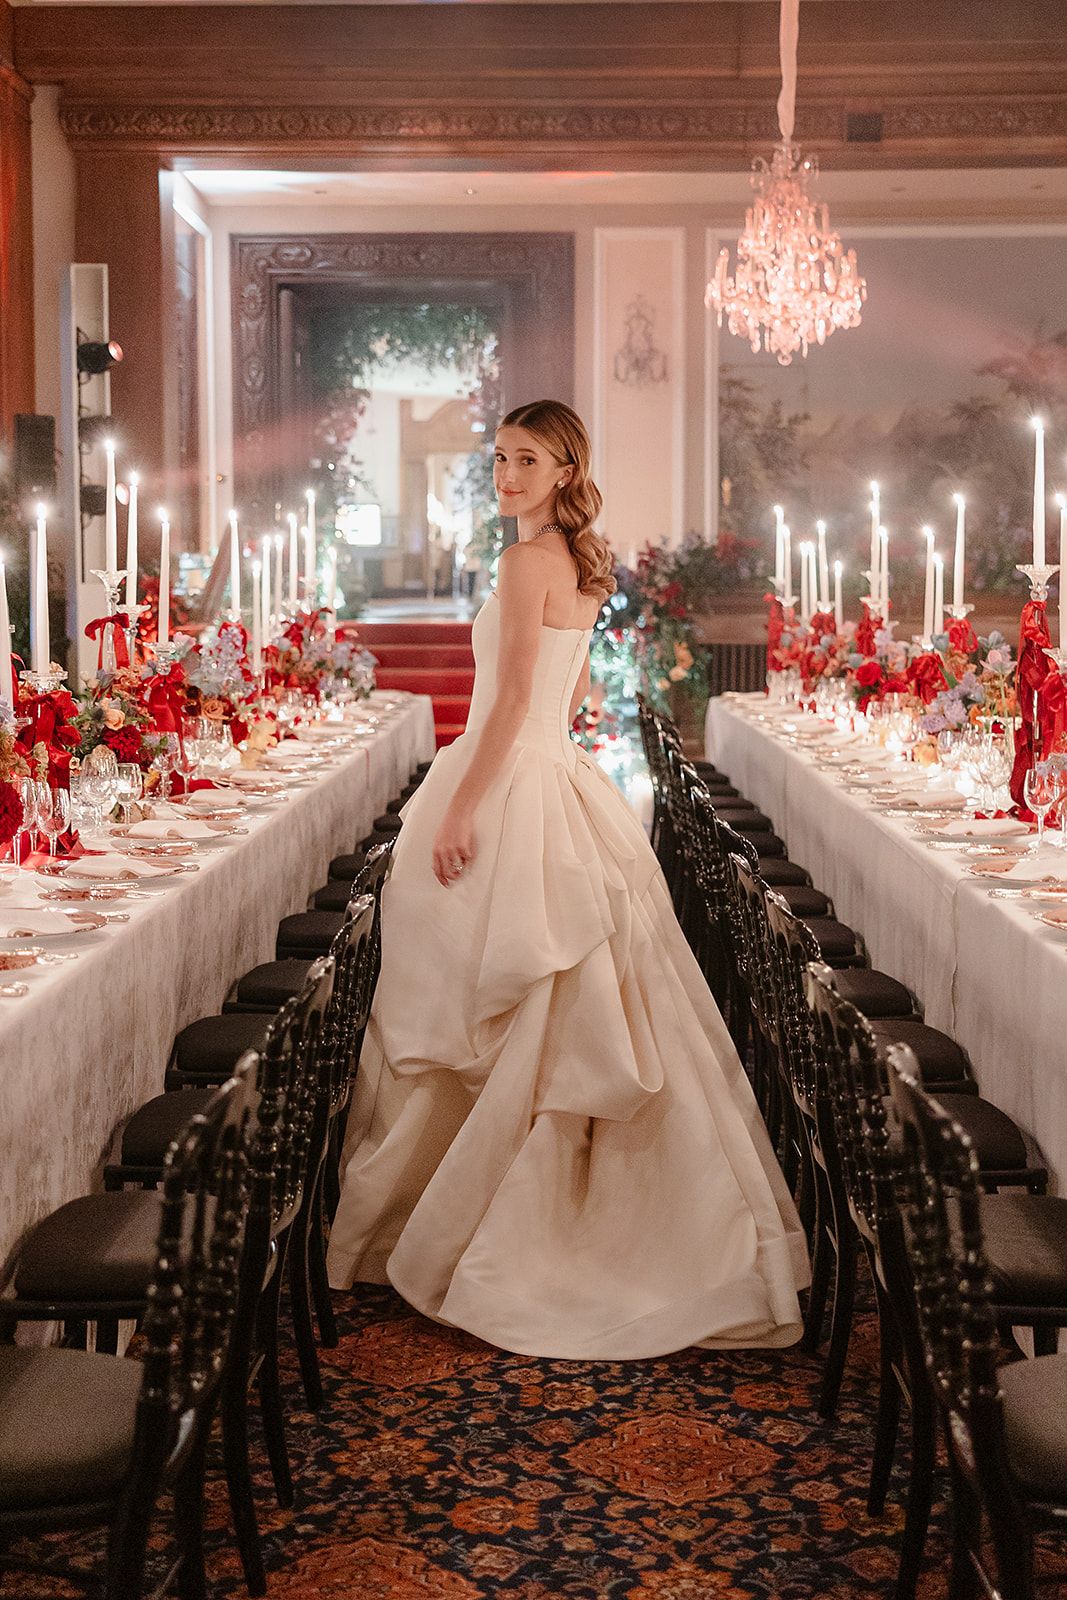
(433, 658)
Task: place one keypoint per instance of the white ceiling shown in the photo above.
(1042, 190)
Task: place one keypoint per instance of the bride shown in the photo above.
(552, 1142)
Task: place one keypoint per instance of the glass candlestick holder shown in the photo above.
(44, 682)
(1038, 579)
(1058, 657)
(164, 658)
(958, 613)
(112, 580)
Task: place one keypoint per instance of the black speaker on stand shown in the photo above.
(34, 457)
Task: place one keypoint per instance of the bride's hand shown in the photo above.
(453, 848)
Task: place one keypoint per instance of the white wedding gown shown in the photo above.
(552, 1142)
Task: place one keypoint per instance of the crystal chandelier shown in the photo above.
(794, 283)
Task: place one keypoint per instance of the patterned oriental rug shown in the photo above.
(442, 1469)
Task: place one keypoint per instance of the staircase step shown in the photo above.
(451, 708)
(448, 680)
(447, 733)
(437, 633)
(424, 655)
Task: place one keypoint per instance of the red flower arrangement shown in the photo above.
(10, 812)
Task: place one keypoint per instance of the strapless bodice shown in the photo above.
(560, 655)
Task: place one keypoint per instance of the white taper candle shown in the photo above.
(883, 558)
(839, 608)
(163, 630)
(310, 546)
(257, 616)
(805, 582)
(779, 550)
(939, 593)
(928, 591)
(959, 553)
(876, 522)
(111, 522)
(131, 543)
(294, 562)
(40, 642)
(1039, 491)
(235, 565)
(1061, 502)
(824, 568)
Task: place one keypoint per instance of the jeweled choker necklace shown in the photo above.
(548, 527)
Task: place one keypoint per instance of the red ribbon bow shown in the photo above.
(97, 629)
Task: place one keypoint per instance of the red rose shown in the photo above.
(869, 674)
(961, 636)
(10, 812)
(926, 676)
(125, 742)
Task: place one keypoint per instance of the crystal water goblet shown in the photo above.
(55, 820)
(1040, 790)
(28, 791)
(129, 787)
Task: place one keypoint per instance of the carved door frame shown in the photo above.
(530, 274)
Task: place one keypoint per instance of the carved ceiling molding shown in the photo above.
(733, 129)
(531, 274)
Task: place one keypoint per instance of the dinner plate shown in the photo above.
(88, 923)
(1053, 919)
(167, 869)
(70, 894)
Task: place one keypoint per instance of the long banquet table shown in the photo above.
(89, 1043)
(985, 970)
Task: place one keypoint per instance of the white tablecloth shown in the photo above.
(89, 1043)
(985, 970)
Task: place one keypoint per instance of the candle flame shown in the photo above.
(109, 447)
(1061, 500)
(779, 512)
(232, 518)
(1038, 424)
(839, 567)
(161, 513)
(939, 560)
(42, 510)
(820, 527)
(958, 500)
(874, 487)
(929, 532)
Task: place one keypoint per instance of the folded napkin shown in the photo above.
(981, 828)
(206, 800)
(111, 865)
(172, 828)
(32, 922)
(1048, 863)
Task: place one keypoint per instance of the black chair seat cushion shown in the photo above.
(66, 1425)
(424, 766)
(779, 872)
(768, 845)
(153, 1128)
(388, 823)
(836, 940)
(99, 1247)
(1035, 1425)
(941, 1061)
(751, 822)
(211, 1047)
(270, 986)
(333, 896)
(1024, 1241)
(348, 867)
(875, 994)
(997, 1140)
(732, 805)
(309, 933)
(804, 901)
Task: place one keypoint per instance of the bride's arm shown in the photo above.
(522, 585)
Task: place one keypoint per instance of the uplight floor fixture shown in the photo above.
(794, 283)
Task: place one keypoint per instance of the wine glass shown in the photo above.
(1040, 791)
(129, 787)
(55, 820)
(28, 793)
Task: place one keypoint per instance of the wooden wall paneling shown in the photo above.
(125, 218)
(675, 82)
(16, 236)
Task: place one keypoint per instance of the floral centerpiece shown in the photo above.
(976, 685)
(112, 712)
(216, 677)
(309, 653)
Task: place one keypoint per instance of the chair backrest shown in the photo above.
(940, 1198)
(371, 879)
(289, 1092)
(192, 1298)
(352, 952)
(858, 1088)
(759, 955)
(794, 946)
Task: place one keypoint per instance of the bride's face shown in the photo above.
(526, 477)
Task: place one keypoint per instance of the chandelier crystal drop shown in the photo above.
(795, 283)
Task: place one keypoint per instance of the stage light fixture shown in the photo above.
(92, 431)
(93, 499)
(96, 356)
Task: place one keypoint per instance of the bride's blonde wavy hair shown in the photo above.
(562, 433)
